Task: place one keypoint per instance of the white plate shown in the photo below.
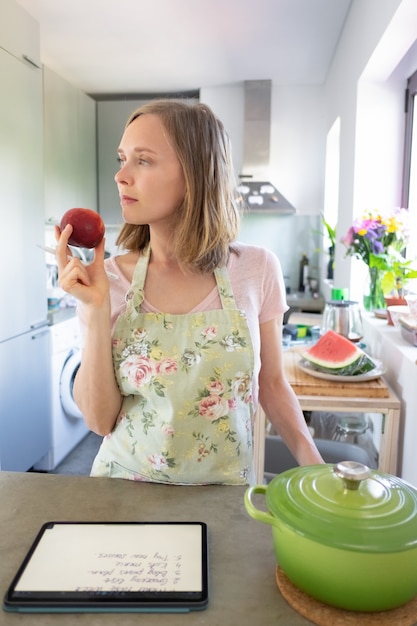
(378, 371)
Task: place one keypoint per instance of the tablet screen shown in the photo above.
(114, 565)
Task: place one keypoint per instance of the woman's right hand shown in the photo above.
(95, 388)
(88, 283)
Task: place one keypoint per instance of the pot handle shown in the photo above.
(261, 516)
(352, 473)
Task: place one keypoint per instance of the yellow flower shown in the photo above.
(156, 353)
(199, 320)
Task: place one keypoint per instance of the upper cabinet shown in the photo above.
(112, 116)
(19, 33)
(21, 183)
(69, 147)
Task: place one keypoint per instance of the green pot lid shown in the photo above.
(346, 506)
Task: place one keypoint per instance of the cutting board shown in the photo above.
(306, 385)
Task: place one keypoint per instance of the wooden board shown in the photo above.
(305, 385)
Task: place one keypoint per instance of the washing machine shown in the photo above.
(67, 424)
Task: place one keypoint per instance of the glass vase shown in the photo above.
(374, 299)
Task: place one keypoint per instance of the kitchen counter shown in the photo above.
(241, 559)
(61, 315)
(298, 301)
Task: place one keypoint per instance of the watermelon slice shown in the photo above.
(334, 354)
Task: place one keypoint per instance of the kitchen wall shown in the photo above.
(289, 236)
(297, 153)
(297, 141)
(365, 88)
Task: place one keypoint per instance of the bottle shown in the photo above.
(303, 277)
(330, 264)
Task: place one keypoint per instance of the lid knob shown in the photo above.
(352, 473)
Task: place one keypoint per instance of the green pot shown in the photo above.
(343, 534)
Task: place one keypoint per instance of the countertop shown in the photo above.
(61, 315)
(305, 302)
(242, 563)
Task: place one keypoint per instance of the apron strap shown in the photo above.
(225, 288)
(135, 296)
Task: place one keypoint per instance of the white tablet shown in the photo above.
(113, 567)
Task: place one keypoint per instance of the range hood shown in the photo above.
(257, 192)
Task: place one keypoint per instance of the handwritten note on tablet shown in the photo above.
(116, 557)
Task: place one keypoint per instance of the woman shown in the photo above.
(181, 346)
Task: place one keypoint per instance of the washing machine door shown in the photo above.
(66, 384)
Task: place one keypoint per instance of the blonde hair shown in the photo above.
(208, 218)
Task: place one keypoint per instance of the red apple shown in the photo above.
(88, 227)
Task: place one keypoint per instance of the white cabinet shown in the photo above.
(69, 147)
(25, 433)
(22, 281)
(25, 427)
(19, 33)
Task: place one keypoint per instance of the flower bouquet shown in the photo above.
(379, 239)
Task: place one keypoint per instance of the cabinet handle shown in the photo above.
(39, 324)
(31, 61)
(40, 334)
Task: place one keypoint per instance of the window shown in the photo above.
(331, 185)
(409, 195)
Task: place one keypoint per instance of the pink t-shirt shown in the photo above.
(258, 287)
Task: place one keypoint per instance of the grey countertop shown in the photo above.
(241, 558)
(61, 315)
(305, 302)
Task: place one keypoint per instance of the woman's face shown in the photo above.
(150, 181)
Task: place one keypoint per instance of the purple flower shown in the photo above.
(377, 234)
(377, 247)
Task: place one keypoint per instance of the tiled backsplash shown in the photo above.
(289, 237)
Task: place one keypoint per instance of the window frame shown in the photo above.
(410, 94)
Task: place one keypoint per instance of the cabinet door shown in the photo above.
(19, 32)
(25, 400)
(111, 119)
(23, 275)
(69, 147)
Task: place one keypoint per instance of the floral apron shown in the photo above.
(187, 411)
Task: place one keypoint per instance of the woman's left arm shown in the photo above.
(279, 401)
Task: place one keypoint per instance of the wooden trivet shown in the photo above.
(325, 615)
